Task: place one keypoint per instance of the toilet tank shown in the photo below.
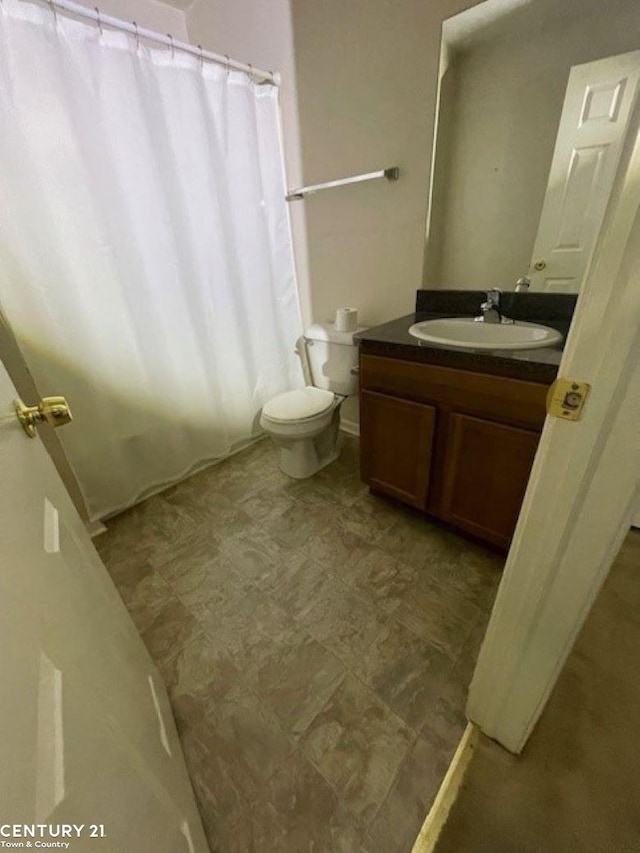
(332, 358)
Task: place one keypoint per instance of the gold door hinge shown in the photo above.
(566, 398)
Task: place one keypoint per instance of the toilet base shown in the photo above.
(301, 461)
(301, 458)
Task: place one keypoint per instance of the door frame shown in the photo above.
(583, 490)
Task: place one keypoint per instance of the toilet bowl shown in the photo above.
(304, 423)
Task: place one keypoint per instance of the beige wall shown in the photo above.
(261, 32)
(501, 111)
(367, 85)
(359, 95)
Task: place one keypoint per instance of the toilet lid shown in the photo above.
(299, 404)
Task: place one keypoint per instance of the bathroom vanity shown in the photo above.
(453, 433)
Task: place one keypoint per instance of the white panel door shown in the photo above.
(598, 103)
(87, 732)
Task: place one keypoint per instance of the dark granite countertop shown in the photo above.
(392, 339)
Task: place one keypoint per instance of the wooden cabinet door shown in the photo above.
(396, 440)
(486, 472)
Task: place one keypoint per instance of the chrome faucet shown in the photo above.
(491, 307)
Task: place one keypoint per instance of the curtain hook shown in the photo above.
(173, 50)
(99, 19)
(251, 73)
(228, 66)
(137, 36)
(201, 57)
(54, 10)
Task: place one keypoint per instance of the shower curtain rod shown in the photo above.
(150, 35)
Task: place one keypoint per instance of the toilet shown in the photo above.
(304, 423)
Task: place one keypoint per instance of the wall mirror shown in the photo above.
(534, 103)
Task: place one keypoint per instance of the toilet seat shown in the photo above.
(299, 405)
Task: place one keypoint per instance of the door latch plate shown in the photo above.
(566, 399)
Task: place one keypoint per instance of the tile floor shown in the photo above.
(316, 643)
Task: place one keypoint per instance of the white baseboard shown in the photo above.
(446, 796)
(350, 427)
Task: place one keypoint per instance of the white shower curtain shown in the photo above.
(145, 253)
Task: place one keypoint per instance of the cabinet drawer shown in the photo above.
(396, 446)
(513, 400)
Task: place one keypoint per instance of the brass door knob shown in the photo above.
(54, 411)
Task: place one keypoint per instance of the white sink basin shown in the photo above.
(466, 333)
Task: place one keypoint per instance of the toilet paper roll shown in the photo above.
(346, 319)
